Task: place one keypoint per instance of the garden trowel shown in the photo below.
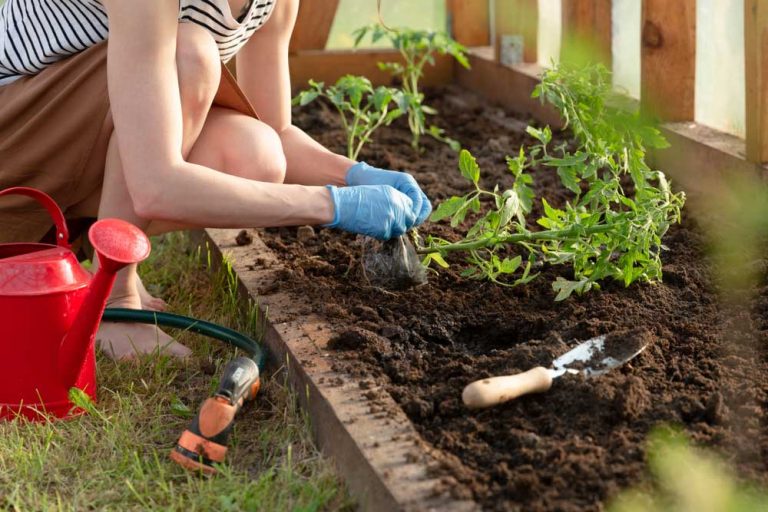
(591, 358)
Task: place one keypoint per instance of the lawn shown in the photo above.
(116, 457)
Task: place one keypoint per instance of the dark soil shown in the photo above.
(578, 445)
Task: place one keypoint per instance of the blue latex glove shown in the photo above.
(379, 211)
(363, 174)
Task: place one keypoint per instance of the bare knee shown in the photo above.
(266, 151)
(199, 70)
(237, 144)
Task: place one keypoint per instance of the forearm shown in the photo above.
(207, 198)
(309, 162)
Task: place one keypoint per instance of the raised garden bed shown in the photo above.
(577, 446)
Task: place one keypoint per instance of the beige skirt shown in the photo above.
(54, 131)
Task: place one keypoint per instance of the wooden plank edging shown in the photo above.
(376, 450)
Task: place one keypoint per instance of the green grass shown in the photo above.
(116, 457)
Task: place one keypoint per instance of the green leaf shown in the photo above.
(567, 160)
(508, 266)
(307, 97)
(392, 115)
(468, 166)
(381, 97)
(550, 212)
(359, 34)
(461, 214)
(437, 258)
(569, 179)
(511, 208)
(565, 288)
(544, 136)
(653, 138)
(457, 51)
(517, 165)
(447, 208)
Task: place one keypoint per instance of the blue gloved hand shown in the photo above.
(379, 211)
(363, 174)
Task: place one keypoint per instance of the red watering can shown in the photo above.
(50, 310)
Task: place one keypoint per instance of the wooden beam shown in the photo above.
(469, 21)
(701, 160)
(510, 87)
(313, 24)
(668, 59)
(329, 65)
(756, 75)
(518, 17)
(586, 31)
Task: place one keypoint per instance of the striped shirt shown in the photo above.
(36, 33)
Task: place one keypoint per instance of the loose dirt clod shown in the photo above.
(244, 238)
(305, 233)
(632, 399)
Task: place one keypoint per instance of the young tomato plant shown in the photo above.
(418, 48)
(362, 108)
(602, 231)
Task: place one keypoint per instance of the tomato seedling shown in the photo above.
(602, 231)
(363, 108)
(418, 48)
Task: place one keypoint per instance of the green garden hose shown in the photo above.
(188, 324)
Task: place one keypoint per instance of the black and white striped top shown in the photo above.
(36, 33)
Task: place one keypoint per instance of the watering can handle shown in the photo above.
(62, 233)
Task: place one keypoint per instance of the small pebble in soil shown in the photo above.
(244, 238)
(305, 233)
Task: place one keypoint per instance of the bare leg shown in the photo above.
(199, 72)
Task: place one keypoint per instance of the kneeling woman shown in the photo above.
(123, 109)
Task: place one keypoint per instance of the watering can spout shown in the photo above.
(117, 245)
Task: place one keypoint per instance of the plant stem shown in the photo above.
(531, 236)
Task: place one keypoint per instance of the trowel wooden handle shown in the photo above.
(497, 390)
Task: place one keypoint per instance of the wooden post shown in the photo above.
(518, 17)
(469, 21)
(668, 59)
(587, 31)
(313, 24)
(756, 78)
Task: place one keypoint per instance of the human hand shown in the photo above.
(379, 211)
(363, 174)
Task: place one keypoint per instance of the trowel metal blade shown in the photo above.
(601, 354)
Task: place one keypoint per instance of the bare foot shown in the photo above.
(121, 340)
(147, 300)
